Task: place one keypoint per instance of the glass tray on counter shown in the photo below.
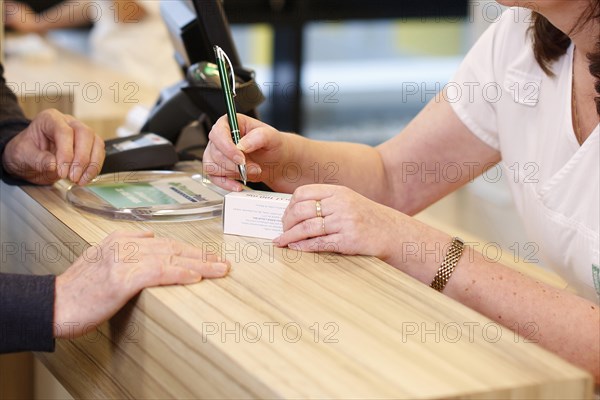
(149, 196)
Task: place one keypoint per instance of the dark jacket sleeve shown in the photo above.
(26, 313)
(26, 301)
(12, 120)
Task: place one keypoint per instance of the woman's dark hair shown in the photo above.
(549, 43)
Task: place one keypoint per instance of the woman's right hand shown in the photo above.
(262, 148)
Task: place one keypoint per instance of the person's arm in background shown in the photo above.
(129, 11)
(21, 17)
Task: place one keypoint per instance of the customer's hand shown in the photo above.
(54, 146)
(261, 144)
(103, 280)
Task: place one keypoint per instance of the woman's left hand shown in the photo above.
(337, 219)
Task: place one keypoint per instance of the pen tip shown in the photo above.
(243, 173)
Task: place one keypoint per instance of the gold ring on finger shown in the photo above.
(319, 213)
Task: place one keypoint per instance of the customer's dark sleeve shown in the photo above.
(26, 301)
(12, 120)
(26, 313)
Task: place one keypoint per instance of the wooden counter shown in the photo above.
(282, 325)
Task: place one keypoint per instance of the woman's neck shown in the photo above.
(569, 20)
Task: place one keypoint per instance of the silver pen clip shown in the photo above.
(222, 54)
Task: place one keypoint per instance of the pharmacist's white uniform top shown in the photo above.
(140, 49)
(504, 97)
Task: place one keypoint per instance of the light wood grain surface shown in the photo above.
(282, 325)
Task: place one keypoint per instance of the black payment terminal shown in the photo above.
(145, 151)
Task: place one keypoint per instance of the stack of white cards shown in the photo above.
(254, 213)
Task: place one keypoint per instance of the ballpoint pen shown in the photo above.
(229, 93)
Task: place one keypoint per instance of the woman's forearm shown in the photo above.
(308, 161)
(560, 321)
(433, 156)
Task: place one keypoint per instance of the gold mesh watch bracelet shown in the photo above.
(448, 265)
